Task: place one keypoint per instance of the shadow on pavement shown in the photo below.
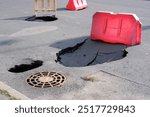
(18, 18)
(61, 9)
(146, 28)
(42, 18)
(7, 42)
(34, 18)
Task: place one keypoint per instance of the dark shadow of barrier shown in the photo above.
(88, 52)
(34, 18)
(7, 42)
(18, 18)
(145, 27)
(42, 18)
(69, 42)
(61, 9)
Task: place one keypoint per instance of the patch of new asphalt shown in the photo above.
(127, 78)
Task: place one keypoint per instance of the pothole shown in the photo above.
(42, 18)
(90, 52)
(28, 65)
(46, 79)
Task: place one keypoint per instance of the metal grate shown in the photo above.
(46, 79)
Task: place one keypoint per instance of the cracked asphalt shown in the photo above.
(127, 78)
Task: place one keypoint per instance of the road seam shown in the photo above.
(125, 79)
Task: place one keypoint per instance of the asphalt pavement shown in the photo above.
(126, 78)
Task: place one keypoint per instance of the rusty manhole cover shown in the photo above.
(46, 79)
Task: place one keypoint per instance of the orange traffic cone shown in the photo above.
(76, 4)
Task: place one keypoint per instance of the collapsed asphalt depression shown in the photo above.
(27, 64)
(41, 18)
(90, 52)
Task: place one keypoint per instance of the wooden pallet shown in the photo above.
(45, 7)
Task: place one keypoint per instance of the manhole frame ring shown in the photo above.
(30, 80)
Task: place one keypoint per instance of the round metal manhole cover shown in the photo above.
(46, 79)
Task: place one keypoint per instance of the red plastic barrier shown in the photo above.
(76, 4)
(116, 28)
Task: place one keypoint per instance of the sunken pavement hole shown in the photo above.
(42, 18)
(29, 65)
(90, 52)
